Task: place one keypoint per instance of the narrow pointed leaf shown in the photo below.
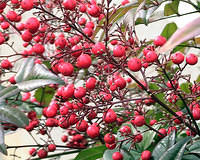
(190, 157)
(25, 69)
(40, 76)
(185, 33)
(91, 153)
(13, 115)
(8, 92)
(195, 147)
(171, 8)
(163, 145)
(176, 151)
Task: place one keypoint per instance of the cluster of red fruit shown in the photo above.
(90, 110)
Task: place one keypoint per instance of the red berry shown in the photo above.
(32, 151)
(12, 16)
(60, 42)
(120, 82)
(82, 126)
(177, 58)
(26, 36)
(63, 122)
(27, 4)
(110, 116)
(66, 68)
(109, 138)
(152, 122)
(176, 120)
(82, 8)
(88, 31)
(146, 155)
(117, 156)
(69, 4)
(134, 64)
(99, 48)
(163, 132)
(51, 111)
(191, 59)
(125, 130)
(139, 120)
(79, 92)
(68, 91)
(38, 49)
(42, 153)
(5, 64)
(119, 51)
(138, 138)
(93, 131)
(196, 113)
(64, 138)
(5, 25)
(32, 24)
(64, 110)
(159, 41)
(51, 147)
(84, 61)
(111, 146)
(93, 10)
(90, 83)
(151, 56)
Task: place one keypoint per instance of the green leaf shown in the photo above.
(163, 145)
(185, 87)
(39, 77)
(91, 153)
(181, 47)
(25, 69)
(8, 92)
(2, 144)
(171, 8)
(13, 115)
(44, 95)
(195, 147)
(190, 157)
(148, 138)
(183, 34)
(153, 86)
(169, 29)
(176, 151)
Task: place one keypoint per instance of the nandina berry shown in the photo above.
(63, 122)
(82, 8)
(147, 49)
(117, 156)
(177, 58)
(64, 138)
(5, 25)
(159, 41)
(125, 130)
(109, 138)
(51, 147)
(191, 59)
(93, 10)
(170, 129)
(66, 68)
(12, 16)
(110, 116)
(119, 51)
(93, 131)
(51, 111)
(138, 138)
(190, 133)
(84, 61)
(174, 83)
(163, 132)
(82, 21)
(88, 31)
(51, 122)
(5, 64)
(27, 4)
(120, 82)
(42, 153)
(111, 146)
(196, 113)
(68, 91)
(76, 50)
(90, 83)
(90, 24)
(99, 48)
(3, 5)
(151, 56)
(152, 122)
(60, 42)
(64, 110)
(146, 155)
(92, 115)
(38, 49)
(27, 36)
(73, 119)
(32, 115)
(139, 120)
(69, 4)
(2, 39)
(82, 126)
(32, 24)
(32, 151)
(176, 120)
(134, 64)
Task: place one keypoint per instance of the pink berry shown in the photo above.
(69, 4)
(146, 155)
(191, 59)
(84, 61)
(151, 56)
(119, 51)
(117, 156)
(134, 64)
(177, 58)
(93, 131)
(139, 120)
(159, 41)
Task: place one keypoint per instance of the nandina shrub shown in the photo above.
(79, 70)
